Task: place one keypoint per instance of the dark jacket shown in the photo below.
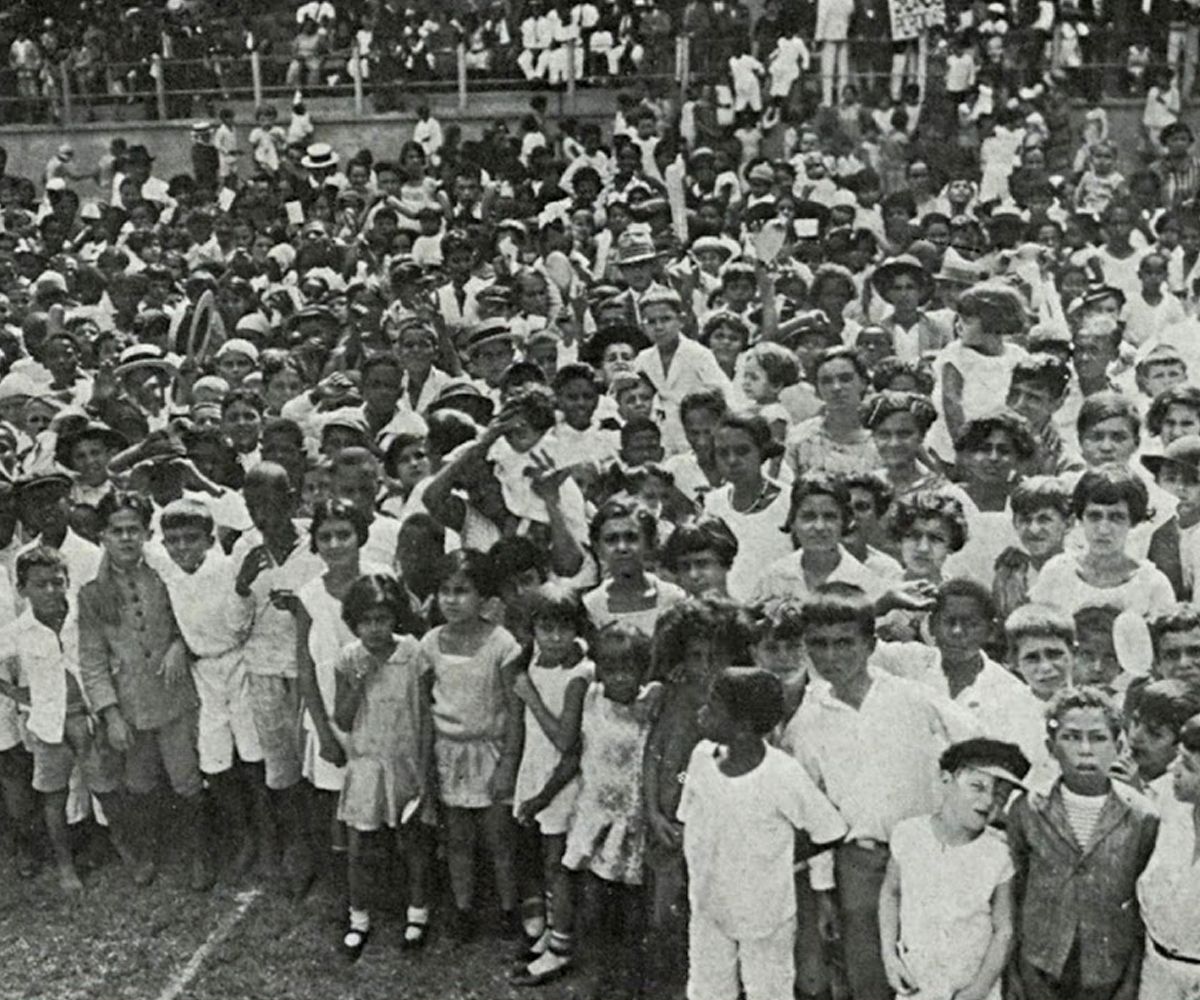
(1070, 896)
(1164, 553)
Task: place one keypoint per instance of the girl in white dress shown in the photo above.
(946, 907)
(754, 506)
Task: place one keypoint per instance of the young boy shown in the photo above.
(1041, 512)
(200, 580)
(1176, 637)
(40, 670)
(1037, 389)
(1154, 716)
(134, 667)
(1078, 851)
(742, 803)
(1041, 648)
(577, 393)
(641, 442)
(1175, 544)
(698, 554)
(674, 365)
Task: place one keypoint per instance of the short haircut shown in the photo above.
(40, 555)
(777, 362)
(715, 619)
(187, 514)
(559, 603)
(1189, 735)
(636, 643)
(1087, 696)
(1182, 617)
(843, 353)
(712, 400)
(513, 555)
(997, 304)
(576, 371)
(633, 380)
(240, 395)
(1178, 395)
(755, 427)
(838, 605)
(448, 429)
(1106, 406)
(379, 590)
(1163, 703)
(380, 360)
(914, 507)
(1046, 371)
(638, 425)
(778, 620)
(880, 489)
(966, 587)
(1111, 486)
(877, 407)
(753, 697)
(615, 508)
(355, 459)
(820, 484)
(975, 433)
(119, 501)
(1038, 621)
(396, 445)
(283, 427)
(338, 510)
(700, 534)
(472, 564)
(1040, 493)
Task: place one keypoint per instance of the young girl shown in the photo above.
(622, 534)
(742, 804)
(1100, 181)
(898, 422)
(379, 706)
(946, 908)
(754, 506)
(552, 691)
(607, 833)
(766, 371)
(470, 664)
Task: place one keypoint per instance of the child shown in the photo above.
(1041, 513)
(1100, 181)
(898, 422)
(552, 691)
(380, 706)
(1041, 648)
(945, 911)
(1154, 716)
(469, 666)
(699, 553)
(1151, 308)
(742, 803)
(1157, 368)
(41, 671)
(607, 832)
(214, 623)
(1173, 546)
(1078, 851)
(767, 369)
(133, 664)
(641, 442)
(1037, 388)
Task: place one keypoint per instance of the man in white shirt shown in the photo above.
(871, 742)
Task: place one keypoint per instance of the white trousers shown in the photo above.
(765, 965)
(1164, 979)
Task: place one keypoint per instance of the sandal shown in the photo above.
(354, 942)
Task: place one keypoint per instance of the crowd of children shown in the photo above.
(741, 554)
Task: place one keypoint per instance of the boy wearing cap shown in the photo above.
(1077, 851)
(945, 910)
(43, 510)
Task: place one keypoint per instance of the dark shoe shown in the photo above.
(298, 871)
(548, 968)
(243, 861)
(509, 927)
(201, 877)
(143, 872)
(353, 943)
(463, 929)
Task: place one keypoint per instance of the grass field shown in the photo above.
(119, 942)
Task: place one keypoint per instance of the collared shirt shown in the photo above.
(271, 644)
(784, 578)
(46, 662)
(877, 763)
(1179, 182)
(81, 556)
(212, 618)
(693, 367)
(121, 658)
(1169, 888)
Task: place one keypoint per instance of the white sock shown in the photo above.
(416, 915)
(542, 944)
(360, 920)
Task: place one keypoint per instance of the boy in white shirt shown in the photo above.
(200, 581)
(742, 803)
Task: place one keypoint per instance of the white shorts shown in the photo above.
(226, 719)
(1165, 979)
(767, 965)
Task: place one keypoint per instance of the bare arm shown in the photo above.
(561, 730)
(347, 698)
(996, 956)
(898, 975)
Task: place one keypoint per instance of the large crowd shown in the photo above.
(783, 535)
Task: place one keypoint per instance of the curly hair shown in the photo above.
(1082, 697)
(1177, 395)
(922, 504)
(1109, 486)
(890, 369)
(877, 407)
(975, 433)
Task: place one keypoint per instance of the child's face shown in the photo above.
(234, 367)
(317, 487)
(45, 588)
(242, 424)
(556, 639)
(738, 458)
(337, 543)
(616, 671)
(412, 464)
(1085, 748)
(458, 599)
(897, 439)
(1105, 527)
(1033, 401)
(1045, 663)
(1183, 483)
(995, 461)
(642, 448)
(699, 426)
(838, 652)
(124, 537)
(701, 573)
(357, 484)
(726, 343)
(923, 550)
(1151, 745)
(968, 798)
(90, 457)
(1186, 771)
(489, 360)
(1108, 442)
(782, 655)
(636, 401)
(1102, 162)
(1178, 656)
(960, 627)
(578, 400)
(1178, 421)
(520, 435)
(818, 524)
(621, 544)
(715, 722)
(874, 345)
(187, 546)
(755, 383)
(375, 628)
(1153, 272)
(1042, 531)
(662, 324)
(1158, 376)
(1096, 657)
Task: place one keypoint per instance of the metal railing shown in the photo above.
(166, 88)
